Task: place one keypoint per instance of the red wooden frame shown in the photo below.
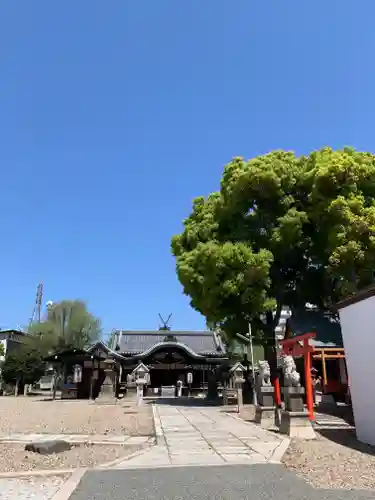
(300, 346)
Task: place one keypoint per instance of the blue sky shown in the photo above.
(115, 115)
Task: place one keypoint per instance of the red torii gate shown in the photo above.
(300, 346)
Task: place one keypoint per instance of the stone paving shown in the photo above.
(207, 436)
(324, 421)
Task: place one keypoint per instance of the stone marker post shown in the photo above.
(179, 388)
(189, 382)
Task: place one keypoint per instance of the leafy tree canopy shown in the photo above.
(25, 363)
(282, 230)
(67, 324)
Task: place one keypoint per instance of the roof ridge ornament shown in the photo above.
(165, 327)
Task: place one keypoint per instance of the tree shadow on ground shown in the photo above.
(345, 412)
(193, 402)
(347, 438)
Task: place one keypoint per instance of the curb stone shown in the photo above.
(69, 485)
(279, 452)
(119, 460)
(64, 472)
(36, 473)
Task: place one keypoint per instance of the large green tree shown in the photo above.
(283, 230)
(67, 324)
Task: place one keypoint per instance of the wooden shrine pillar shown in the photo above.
(300, 346)
(308, 381)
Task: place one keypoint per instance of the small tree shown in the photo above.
(24, 365)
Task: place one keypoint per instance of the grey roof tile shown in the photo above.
(199, 342)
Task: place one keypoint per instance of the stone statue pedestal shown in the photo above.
(293, 398)
(131, 392)
(265, 410)
(296, 424)
(295, 421)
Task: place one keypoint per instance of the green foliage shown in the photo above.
(68, 324)
(283, 230)
(2, 352)
(24, 364)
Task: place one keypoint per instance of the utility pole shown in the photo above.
(249, 339)
(255, 396)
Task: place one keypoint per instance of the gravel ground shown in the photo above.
(336, 460)
(30, 488)
(35, 415)
(14, 458)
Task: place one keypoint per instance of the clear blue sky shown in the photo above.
(115, 115)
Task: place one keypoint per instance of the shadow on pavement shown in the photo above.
(348, 438)
(193, 402)
(342, 411)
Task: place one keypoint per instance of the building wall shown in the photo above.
(357, 324)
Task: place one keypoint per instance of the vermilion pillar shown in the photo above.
(308, 381)
(276, 384)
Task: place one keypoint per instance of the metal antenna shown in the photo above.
(165, 326)
(35, 318)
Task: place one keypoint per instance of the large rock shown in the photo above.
(48, 447)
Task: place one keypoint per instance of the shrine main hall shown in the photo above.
(172, 357)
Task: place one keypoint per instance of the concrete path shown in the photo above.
(207, 436)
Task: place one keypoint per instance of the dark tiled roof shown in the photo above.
(15, 335)
(364, 294)
(135, 342)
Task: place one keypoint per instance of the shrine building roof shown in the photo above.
(201, 342)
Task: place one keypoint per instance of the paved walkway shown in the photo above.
(207, 436)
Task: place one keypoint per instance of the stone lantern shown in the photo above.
(237, 372)
(107, 393)
(141, 374)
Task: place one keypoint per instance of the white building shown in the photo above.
(357, 317)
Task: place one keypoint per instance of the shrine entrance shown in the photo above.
(173, 365)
